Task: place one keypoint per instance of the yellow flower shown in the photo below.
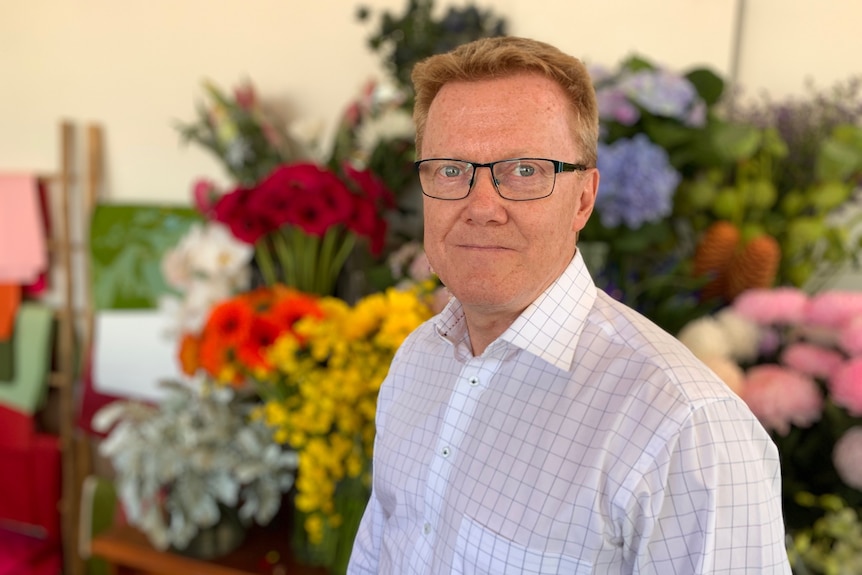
(321, 396)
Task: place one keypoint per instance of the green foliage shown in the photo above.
(403, 40)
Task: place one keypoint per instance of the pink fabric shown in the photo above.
(40, 286)
(23, 255)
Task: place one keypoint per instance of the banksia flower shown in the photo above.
(754, 267)
(713, 256)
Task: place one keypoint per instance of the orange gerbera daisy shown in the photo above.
(262, 333)
(293, 307)
(229, 322)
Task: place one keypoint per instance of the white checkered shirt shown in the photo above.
(583, 440)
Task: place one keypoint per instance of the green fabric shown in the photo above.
(7, 361)
(127, 243)
(32, 342)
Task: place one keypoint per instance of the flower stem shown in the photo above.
(264, 261)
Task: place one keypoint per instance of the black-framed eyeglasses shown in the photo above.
(517, 179)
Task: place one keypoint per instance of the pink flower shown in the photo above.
(850, 338)
(783, 305)
(811, 359)
(847, 457)
(834, 308)
(845, 385)
(204, 195)
(245, 96)
(780, 397)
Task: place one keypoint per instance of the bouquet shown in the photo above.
(304, 220)
(796, 360)
(315, 364)
(321, 400)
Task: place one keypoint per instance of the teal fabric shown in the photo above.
(32, 343)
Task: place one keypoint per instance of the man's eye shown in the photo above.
(451, 171)
(525, 170)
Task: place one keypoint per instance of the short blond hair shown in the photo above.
(505, 56)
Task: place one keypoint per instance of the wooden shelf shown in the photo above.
(130, 553)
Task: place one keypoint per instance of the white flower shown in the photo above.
(214, 252)
(392, 124)
(742, 334)
(847, 457)
(208, 265)
(706, 338)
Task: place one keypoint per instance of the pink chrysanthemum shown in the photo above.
(847, 457)
(845, 385)
(781, 397)
(783, 305)
(850, 338)
(812, 359)
(834, 308)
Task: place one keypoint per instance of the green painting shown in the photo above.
(127, 243)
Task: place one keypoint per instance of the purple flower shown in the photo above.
(614, 105)
(663, 93)
(637, 183)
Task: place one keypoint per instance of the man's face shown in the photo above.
(495, 255)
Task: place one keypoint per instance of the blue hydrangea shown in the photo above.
(662, 93)
(637, 183)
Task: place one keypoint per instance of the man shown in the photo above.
(536, 425)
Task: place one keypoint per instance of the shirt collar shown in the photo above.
(549, 327)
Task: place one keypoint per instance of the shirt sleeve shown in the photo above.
(366, 547)
(710, 501)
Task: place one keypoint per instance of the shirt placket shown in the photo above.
(459, 413)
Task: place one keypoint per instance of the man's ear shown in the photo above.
(588, 188)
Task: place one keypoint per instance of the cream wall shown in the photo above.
(135, 67)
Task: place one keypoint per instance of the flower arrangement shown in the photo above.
(304, 220)
(693, 208)
(315, 364)
(321, 399)
(182, 465)
(796, 360)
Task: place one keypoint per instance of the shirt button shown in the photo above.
(445, 452)
(426, 528)
(474, 381)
